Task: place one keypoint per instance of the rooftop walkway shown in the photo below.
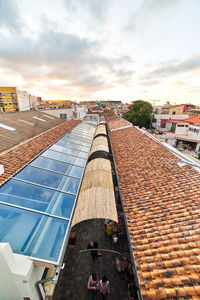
(72, 284)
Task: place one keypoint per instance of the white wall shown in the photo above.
(170, 117)
(81, 111)
(23, 100)
(194, 132)
(33, 101)
(57, 112)
(182, 129)
(18, 275)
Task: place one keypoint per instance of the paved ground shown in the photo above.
(73, 279)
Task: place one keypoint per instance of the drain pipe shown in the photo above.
(39, 287)
(126, 225)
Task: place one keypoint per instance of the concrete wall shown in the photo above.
(181, 129)
(194, 132)
(23, 100)
(18, 275)
(81, 111)
(57, 112)
(33, 101)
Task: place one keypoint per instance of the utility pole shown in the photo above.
(154, 101)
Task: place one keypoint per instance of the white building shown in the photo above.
(33, 101)
(23, 100)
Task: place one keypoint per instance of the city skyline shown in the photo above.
(102, 49)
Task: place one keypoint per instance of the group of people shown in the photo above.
(94, 285)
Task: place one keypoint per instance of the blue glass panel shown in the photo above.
(65, 150)
(78, 138)
(80, 162)
(76, 171)
(18, 226)
(23, 202)
(86, 145)
(82, 154)
(59, 156)
(67, 144)
(27, 191)
(63, 206)
(51, 164)
(71, 185)
(73, 141)
(40, 176)
(50, 241)
(85, 149)
(33, 197)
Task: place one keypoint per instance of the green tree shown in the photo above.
(139, 114)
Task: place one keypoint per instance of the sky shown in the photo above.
(102, 49)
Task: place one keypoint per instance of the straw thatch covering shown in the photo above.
(96, 198)
(101, 129)
(100, 144)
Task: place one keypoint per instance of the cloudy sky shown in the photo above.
(102, 49)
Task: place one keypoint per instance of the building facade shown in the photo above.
(8, 99)
(12, 99)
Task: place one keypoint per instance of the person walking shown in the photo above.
(93, 285)
(104, 287)
(94, 253)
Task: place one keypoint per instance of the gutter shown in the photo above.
(184, 159)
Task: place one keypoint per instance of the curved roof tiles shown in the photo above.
(162, 206)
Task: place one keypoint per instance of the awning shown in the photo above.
(96, 198)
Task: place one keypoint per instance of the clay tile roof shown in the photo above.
(16, 158)
(162, 205)
(194, 120)
(117, 123)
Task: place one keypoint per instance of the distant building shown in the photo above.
(173, 109)
(111, 103)
(33, 101)
(12, 99)
(188, 107)
(177, 126)
(160, 119)
(60, 103)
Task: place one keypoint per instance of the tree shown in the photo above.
(139, 114)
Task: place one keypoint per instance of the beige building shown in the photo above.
(173, 109)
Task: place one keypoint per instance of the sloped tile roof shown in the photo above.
(194, 120)
(162, 207)
(117, 123)
(17, 157)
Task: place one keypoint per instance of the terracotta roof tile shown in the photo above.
(161, 203)
(17, 157)
(194, 120)
(116, 123)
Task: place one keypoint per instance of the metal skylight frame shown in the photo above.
(45, 214)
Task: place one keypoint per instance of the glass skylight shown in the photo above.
(36, 205)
